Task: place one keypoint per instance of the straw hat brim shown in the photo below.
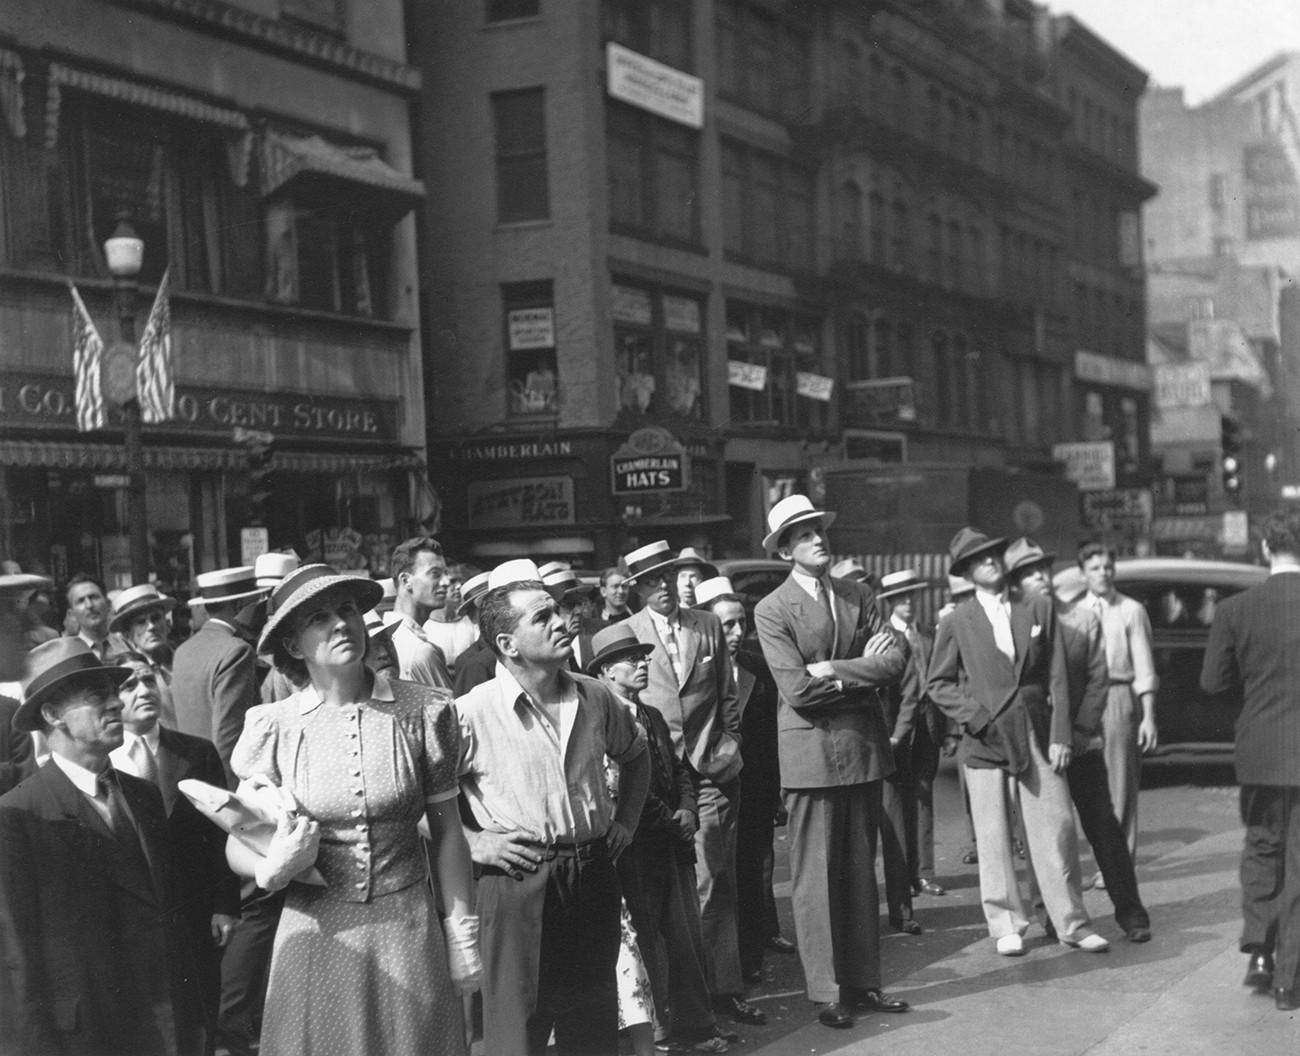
(827, 517)
(669, 561)
(365, 592)
(908, 588)
(194, 603)
(120, 618)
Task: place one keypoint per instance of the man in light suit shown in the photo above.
(830, 653)
(999, 671)
(692, 686)
(1253, 643)
(95, 957)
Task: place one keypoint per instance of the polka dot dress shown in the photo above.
(359, 965)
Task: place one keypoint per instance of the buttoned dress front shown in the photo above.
(359, 965)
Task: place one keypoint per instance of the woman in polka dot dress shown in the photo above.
(360, 964)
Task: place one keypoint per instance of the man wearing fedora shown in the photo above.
(830, 652)
(141, 617)
(657, 871)
(97, 962)
(999, 671)
(692, 570)
(693, 688)
(757, 924)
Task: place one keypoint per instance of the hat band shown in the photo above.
(70, 666)
(647, 563)
(291, 583)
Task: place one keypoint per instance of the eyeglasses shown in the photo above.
(635, 661)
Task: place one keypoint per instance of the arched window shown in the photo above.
(944, 381)
(900, 237)
(849, 215)
(876, 226)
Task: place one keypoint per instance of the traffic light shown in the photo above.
(261, 469)
(1230, 443)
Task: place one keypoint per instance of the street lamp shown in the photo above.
(124, 250)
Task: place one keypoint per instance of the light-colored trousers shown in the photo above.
(1119, 730)
(715, 884)
(1042, 799)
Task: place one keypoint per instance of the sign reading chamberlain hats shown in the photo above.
(651, 460)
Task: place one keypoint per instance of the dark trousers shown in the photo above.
(1270, 877)
(659, 888)
(1090, 791)
(897, 833)
(924, 766)
(833, 890)
(756, 919)
(244, 966)
(549, 944)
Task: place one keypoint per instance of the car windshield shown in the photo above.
(1180, 606)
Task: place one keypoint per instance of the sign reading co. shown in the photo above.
(39, 401)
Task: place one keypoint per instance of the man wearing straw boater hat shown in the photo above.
(96, 954)
(693, 688)
(141, 617)
(919, 731)
(830, 653)
(543, 827)
(477, 663)
(999, 672)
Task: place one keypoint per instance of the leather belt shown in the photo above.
(583, 851)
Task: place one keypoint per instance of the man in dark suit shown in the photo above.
(209, 889)
(760, 780)
(17, 758)
(829, 651)
(999, 671)
(95, 956)
(692, 687)
(1253, 643)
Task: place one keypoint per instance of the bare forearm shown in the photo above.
(451, 858)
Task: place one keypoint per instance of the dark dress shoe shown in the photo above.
(906, 925)
(877, 1001)
(1138, 934)
(926, 886)
(740, 1010)
(781, 944)
(833, 1014)
(1259, 972)
(1286, 1000)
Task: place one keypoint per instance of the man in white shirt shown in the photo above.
(450, 629)
(90, 608)
(420, 577)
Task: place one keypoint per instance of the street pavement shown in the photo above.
(1179, 994)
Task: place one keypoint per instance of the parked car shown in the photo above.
(753, 577)
(1181, 596)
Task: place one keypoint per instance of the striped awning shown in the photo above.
(134, 93)
(38, 454)
(287, 157)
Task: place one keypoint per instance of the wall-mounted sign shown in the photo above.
(1090, 464)
(1275, 215)
(652, 460)
(814, 386)
(652, 86)
(520, 502)
(1109, 370)
(531, 328)
(628, 304)
(752, 376)
(1182, 384)
(681, 314)
(883, 401)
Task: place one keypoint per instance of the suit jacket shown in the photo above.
(1086, 670)
(760, 781)
(1254, 649)
(701, 711)
(95, 954)
(16, 757)
(999, 704)
(476, 665)
(828, 734)
(214, 681)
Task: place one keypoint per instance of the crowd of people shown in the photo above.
(505, 806)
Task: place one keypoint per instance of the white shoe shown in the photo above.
(1090, 943)
(1011, 946)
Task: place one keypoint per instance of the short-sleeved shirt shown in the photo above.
(418, 659)
(519, 772)
(364, 772)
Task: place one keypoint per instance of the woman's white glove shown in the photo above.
(292, 849)
(462, 953)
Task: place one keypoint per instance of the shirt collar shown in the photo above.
(511, 690)
(86, 781)
(675, 620)
(309, 700)
(92, 642)
(991, 601)
(809, 583)
(150, 738)
(897, 624)
(1098, 600)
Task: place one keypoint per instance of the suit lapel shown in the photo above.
(153, 841)
(982, 627)
(744, 687)
(688, 643)
(1022, 621)
(648, 633)
(848, 610)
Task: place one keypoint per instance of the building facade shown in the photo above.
(262, 151)
(740, 243)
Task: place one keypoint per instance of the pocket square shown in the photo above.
(1035, 630)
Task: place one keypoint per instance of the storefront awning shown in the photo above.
(287, 158)
(37, 454)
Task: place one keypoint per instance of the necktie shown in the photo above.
(674, 650)
(124, 832)
(1001, 620)
(146, 763)
(824, 596)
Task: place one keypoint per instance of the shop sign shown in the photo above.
(628, 304)
(1273, 216)
(1116, 509)
(531, 328)
(522, 449)
(520, 502)
(652, 460)
(1236, 530)
(1182, 384)
(814, 386)
(1186, 529)
(253, 543)
(742, 375)
(681, 314)
(883, 401)
(43, 401)
(653, 86)
(1090, 464)
(1111, 371)
(337, 546)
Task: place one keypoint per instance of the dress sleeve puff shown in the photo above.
(441, 751)
(255, 751)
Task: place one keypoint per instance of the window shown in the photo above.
(764, 62)
(653, 174)
(848, 246)
(900, 237)
(775, 223)
(943, 379)
(659, 351)
(773, 346)
(876, 226)
(519, 119)
(934, 249)
(319, 257)
(660, 29)
(505, 10)
(956, 273)
(532, 382)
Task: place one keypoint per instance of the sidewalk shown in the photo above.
(1180, 994)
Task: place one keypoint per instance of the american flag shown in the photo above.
(154, 380)
(87, 352)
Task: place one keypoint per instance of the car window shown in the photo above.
(1180, 606)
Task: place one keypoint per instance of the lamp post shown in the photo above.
(123, 251)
